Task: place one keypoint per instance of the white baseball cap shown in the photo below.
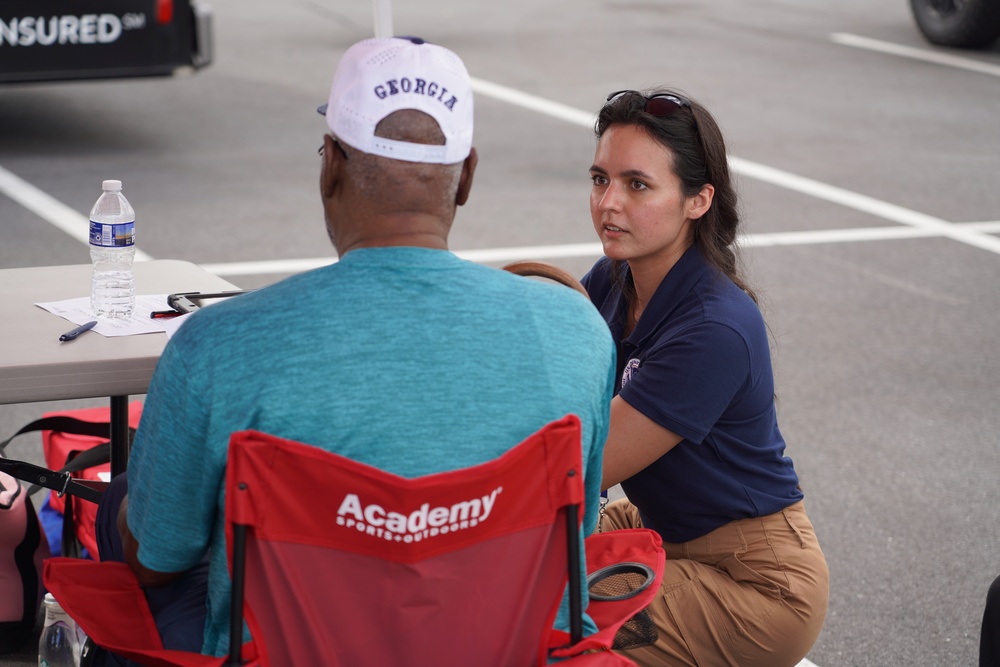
(379, 76)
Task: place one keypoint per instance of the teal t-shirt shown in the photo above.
(407, 359)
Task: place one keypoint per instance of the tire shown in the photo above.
(965, 24)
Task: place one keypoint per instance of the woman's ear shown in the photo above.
(699, 204)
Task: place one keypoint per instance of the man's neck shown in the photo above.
(417, 230)
(414, 240)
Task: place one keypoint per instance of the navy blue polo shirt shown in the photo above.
(698, 364)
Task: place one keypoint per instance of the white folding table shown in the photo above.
(36, 366)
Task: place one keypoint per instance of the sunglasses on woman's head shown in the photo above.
(660, 105)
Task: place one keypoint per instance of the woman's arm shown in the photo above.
(634, 442)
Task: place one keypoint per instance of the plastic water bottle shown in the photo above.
(59, 646)
(112, 249)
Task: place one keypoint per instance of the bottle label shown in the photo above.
(58, 617)
(112, 236)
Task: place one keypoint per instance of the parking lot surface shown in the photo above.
(868, 163)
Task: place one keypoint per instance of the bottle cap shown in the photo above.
(111, 185)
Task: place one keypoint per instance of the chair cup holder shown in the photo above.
(620, 581)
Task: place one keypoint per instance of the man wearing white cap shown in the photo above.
(401, 355)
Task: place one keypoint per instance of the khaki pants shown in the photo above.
(752, 593)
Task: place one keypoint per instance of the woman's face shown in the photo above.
(638, 207)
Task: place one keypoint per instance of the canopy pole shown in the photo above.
(383, 18)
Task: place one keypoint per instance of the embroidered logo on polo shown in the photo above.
(630, 368)
(418, 524)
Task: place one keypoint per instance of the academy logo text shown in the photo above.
(85, 29)
(419, 524)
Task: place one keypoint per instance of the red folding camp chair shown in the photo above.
(466, 567)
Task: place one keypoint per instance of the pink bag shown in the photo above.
(23, 547)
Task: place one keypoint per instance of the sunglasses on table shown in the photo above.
(660, 105)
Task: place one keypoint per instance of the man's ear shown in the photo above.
(465, 180)
(329, 174)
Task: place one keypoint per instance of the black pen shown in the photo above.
(72, 335)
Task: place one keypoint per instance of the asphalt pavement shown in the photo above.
(869, 168)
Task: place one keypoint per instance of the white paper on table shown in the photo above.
(78, 312)
(172, 324)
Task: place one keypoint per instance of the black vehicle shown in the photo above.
(57, 40)
(965, 24)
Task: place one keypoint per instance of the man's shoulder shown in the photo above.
(239, 317)
(554, 298)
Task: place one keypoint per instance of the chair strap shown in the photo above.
(64, 424)
(59, 480)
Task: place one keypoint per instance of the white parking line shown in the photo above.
(917, 224)
(577, 250)
(935, 57)
(866, 204)
(764, 173)
(534, 103)
(49, 208)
